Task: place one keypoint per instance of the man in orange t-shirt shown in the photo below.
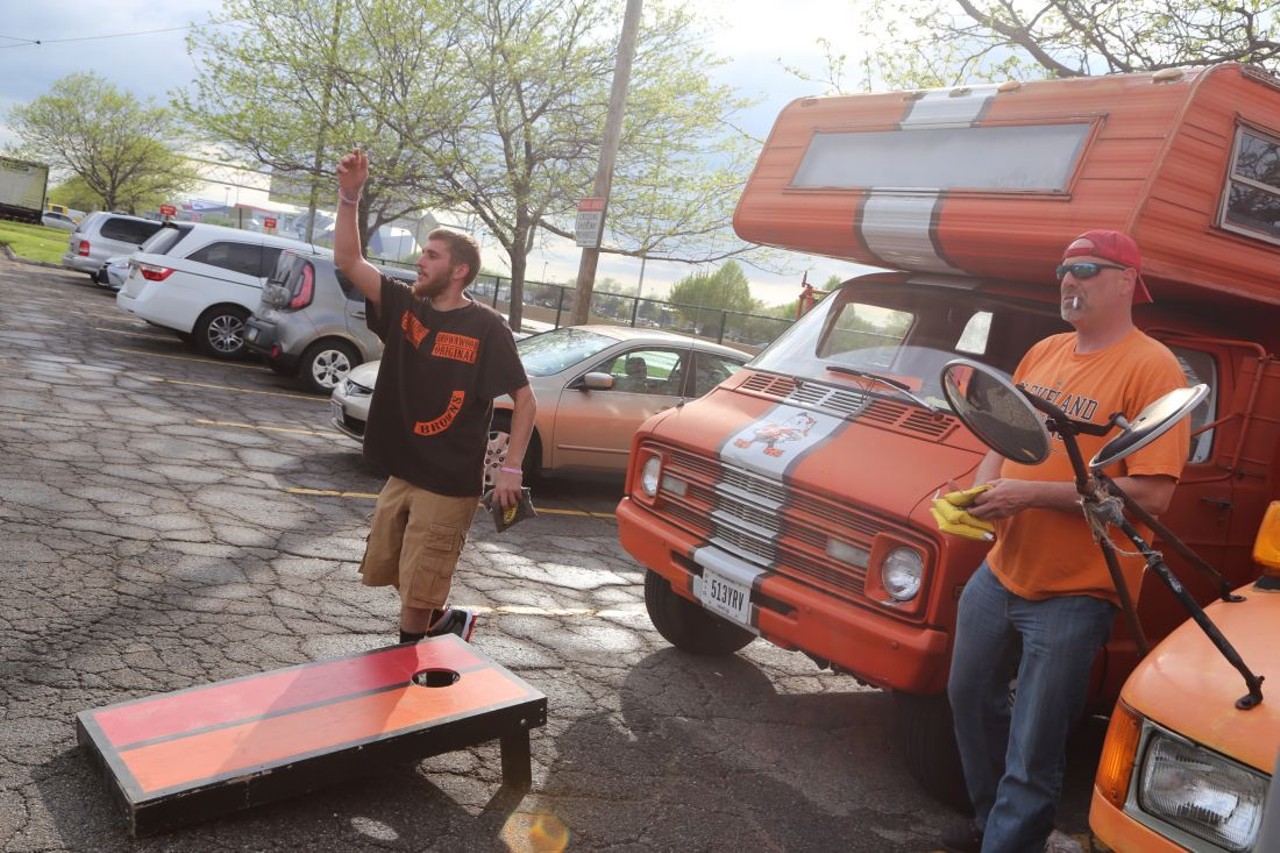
(1043, 602)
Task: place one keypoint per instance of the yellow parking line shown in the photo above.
(236, 389)
(293, 430)
(333, 493)
(521, 610)
(168, 339)
(193, 358)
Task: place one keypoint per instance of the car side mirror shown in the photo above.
(595, 381)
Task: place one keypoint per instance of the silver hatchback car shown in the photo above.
(311, 321)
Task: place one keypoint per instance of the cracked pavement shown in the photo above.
(170, 521)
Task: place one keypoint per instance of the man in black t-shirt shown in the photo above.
(446, 358)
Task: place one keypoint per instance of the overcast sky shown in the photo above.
(139, 46)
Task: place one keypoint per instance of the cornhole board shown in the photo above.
(187, 756)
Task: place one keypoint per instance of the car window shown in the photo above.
(237, 257)
(163, 241)
(267, 260)
(128, 230)
(646, 371)
(710, 370)
(560, 349)
(1200, 367)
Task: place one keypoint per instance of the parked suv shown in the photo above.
(203, 281)
(101, 236)
(311, 321)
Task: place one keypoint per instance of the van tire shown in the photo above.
(686, 625)
(219, 332)
(924, 734)
(325, 364)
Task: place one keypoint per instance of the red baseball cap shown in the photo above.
(1116, 247)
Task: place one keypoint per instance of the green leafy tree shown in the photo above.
(297, 83)
(123, 150)
(701, 299)
(951, 42)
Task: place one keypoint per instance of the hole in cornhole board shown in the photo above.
(435, 677)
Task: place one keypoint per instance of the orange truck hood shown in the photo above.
(1186, 685)
(887, 458)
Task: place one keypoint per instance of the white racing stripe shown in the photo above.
(901, 229)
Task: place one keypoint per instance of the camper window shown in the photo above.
(1020, 158)
(1252, 200)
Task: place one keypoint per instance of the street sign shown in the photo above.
(168, 210)
(590, 222)
(269, 223)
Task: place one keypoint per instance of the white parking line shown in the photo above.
(167, 339)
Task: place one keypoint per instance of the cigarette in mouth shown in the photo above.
(1075, 303)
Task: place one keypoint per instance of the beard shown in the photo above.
(429, 288)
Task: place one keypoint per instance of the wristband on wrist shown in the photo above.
(507, 470)
(345, 199)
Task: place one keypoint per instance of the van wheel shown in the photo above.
(687, 626)
(219, 332)
(325, 364)
(924, 734)
(495, 453)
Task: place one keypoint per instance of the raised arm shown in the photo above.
(353, 171)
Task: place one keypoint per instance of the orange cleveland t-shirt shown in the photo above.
(1040, 553)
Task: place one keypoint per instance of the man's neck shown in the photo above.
(1091, 340)
(450, 300)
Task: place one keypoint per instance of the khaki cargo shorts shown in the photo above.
(414, 542)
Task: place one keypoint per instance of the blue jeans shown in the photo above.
(1013, 759)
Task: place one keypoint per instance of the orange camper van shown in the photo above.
(792, 502)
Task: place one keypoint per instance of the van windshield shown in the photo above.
(903, 334)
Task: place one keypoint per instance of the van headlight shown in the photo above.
(901, 571)
(1201, 792)
(651, 476)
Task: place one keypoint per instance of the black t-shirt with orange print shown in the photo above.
(441, 370)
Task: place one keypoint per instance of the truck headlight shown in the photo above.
(901, 571)
(651, 475)
(1201, 792)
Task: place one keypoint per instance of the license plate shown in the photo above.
(337, 410)
(725, 597)
(251, 334)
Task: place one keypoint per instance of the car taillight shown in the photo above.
(306, 290)
(154, 273)
(83, 250)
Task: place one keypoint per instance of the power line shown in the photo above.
(26, 42)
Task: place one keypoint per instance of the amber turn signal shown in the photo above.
(1119, 751)
(1266, 545)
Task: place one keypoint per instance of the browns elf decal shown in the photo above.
(456, 347)
(413, 329)
(438, 425)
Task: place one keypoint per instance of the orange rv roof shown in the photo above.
(994, 181)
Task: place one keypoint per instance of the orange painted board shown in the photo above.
(279, 691)
(207, 756)
(211, 750)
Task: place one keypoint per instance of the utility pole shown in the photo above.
(608, 156)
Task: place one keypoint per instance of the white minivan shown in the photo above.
(203, 281)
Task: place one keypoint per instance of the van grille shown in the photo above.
(761, 520)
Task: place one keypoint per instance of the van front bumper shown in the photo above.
(886, 652)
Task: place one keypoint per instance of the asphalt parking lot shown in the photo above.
(169, 521)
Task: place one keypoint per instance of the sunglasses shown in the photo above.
(1085, 270)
